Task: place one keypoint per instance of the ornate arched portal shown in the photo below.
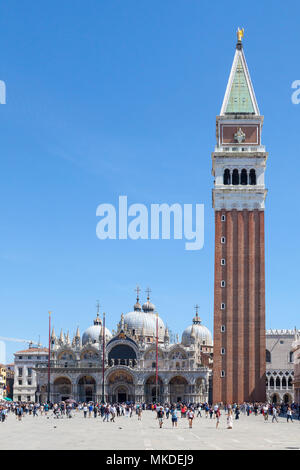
(86, 388)
(178, 389)
(154, 392)
(120, 387)
(62, 389)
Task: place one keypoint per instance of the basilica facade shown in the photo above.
(126, 359)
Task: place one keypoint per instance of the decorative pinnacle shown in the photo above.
(98, 307)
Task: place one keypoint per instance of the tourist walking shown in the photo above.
(289, 414)
(218, 414)
(190, 415)
(274, 414)
(19, 412)
(112, 413)
(160, 415)
(106, 414)
(265, 412)
(174, 413)
(229, 418)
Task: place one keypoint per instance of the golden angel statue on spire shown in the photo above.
(240, 34)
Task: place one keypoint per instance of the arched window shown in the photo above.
(252, 177)
(291, 356)
(271, 382)
(121, 354)
(268, 356)
(235, 177)
(277, 382)
(226, 177)
(290, 382)
(244, 177)
(283, 381)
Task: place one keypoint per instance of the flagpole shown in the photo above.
(156, 375)
(103, 355)
(49, 347)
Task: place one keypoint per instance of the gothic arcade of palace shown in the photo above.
(184, 368)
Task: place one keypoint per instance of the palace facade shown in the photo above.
(296, 352)
(280, 365)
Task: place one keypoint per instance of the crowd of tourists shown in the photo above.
(109, 412)
(231, 412)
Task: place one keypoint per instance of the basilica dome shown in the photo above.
(144, 320)
(197, 332)
(94, 332)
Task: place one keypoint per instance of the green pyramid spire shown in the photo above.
(240, 100)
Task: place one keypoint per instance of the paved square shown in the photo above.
(129, 433)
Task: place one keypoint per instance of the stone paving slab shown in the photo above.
(130, 434)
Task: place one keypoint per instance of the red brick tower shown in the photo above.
(239, 193)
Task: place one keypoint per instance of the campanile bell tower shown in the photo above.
(238, 166)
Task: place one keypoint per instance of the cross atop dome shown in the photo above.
(148, 292)
(97, 320)
(137, 306)
(137, 290)
(148, 306)
(196, 319)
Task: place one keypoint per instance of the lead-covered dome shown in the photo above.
(138, 320)
(95, 332)
(144, 321)
(197, 332)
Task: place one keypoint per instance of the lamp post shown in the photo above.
(156, 372)
(49, 348)
(103, 355)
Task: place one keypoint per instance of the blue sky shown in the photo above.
(113, 97)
